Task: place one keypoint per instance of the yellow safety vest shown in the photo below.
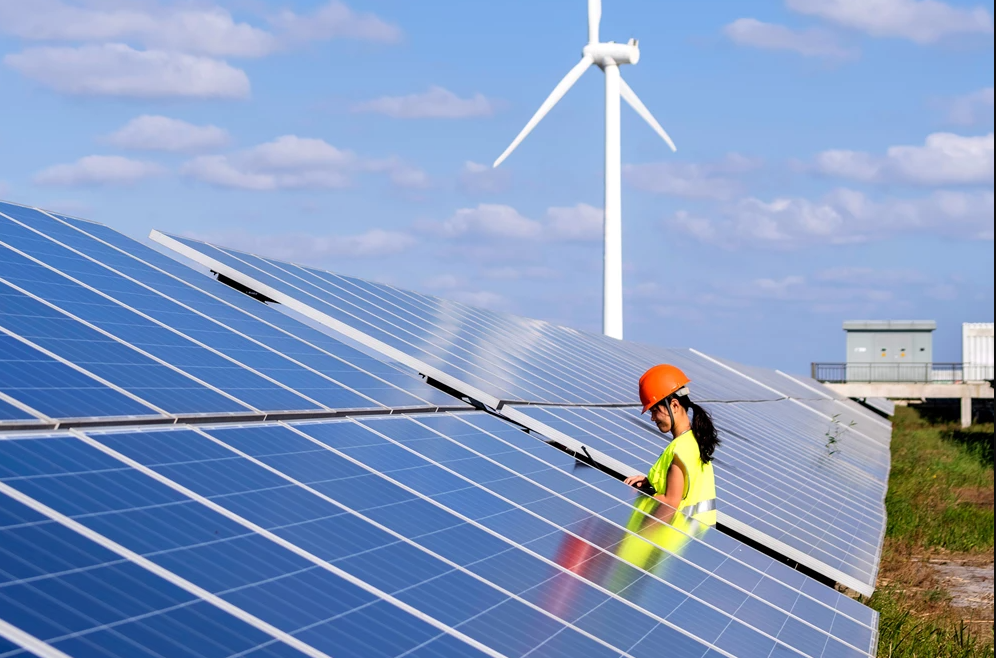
(698, 501)
(653, 540)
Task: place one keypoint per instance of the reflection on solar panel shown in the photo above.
(827, 459)
(256, 524)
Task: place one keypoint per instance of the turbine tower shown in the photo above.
(608, 56)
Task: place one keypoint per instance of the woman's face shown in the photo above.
(661, 418)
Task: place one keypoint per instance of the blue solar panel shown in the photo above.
(86, 600)
(282, 588)
(180, 343)
(49, 386)
(826, 505)
(493, 503)
(429, 534)
(499, 359)
(9, 412)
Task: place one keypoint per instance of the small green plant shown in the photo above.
(834, 433)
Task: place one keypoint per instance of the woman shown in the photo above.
(682, 478)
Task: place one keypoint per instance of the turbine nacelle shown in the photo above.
(603, 54)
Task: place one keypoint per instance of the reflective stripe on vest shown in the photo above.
(699, 507)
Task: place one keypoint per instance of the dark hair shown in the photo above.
(702, 427)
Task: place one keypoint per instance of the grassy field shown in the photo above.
(939, 538)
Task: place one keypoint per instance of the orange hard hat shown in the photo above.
(659, 382)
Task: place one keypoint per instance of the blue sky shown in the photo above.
(835, 157)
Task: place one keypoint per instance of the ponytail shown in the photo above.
(702, 427)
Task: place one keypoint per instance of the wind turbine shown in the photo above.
(608, 56)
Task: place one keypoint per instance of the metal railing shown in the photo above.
(934, 373)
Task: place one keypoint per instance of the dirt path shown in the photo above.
(945, 587)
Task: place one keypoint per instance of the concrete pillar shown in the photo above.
(966, 411)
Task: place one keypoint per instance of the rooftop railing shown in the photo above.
(924, 373)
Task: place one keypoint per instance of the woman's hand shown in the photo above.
(638, 481)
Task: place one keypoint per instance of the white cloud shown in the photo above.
(293, 153)
(400, 173)
(159, 133)
(486, 219)
(921, 21)
(578, 223)
(292, 162)
(99, 170)
(866, 275)
(811, 42)
(334, 20)
(972, 108)
(715, 180)
(119, 70)
(842, 217)
(436, 103)
(944, 159)
(581, 223)
(476, 178)
(305, 248)
(206, 30)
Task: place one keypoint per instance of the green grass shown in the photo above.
(938, 475)
(940, 479)
(903, 635)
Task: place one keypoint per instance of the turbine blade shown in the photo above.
(634, 101)
(551, 100)
(594, 18)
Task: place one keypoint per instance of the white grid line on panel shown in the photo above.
(485, 348)
(561, 364)
(462, 418)
(324, 302)
(815, 411)
(241, 310)
(297, 550)
(855, 408)
(725, 519)
(397, 535)
(167, 327)
(29, 642)
(70, 364)
(163, 573)
(568, 500)
(594, 546)
(525, 549)
(126, 344)
(322, 318)
(21, 405)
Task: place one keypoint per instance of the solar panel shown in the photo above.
(413, 526)
(144, 336)
(820, 508)
(503, 361)
(416, 514)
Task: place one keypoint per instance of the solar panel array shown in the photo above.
(827, 459)
(186, 471)
(127, 333)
